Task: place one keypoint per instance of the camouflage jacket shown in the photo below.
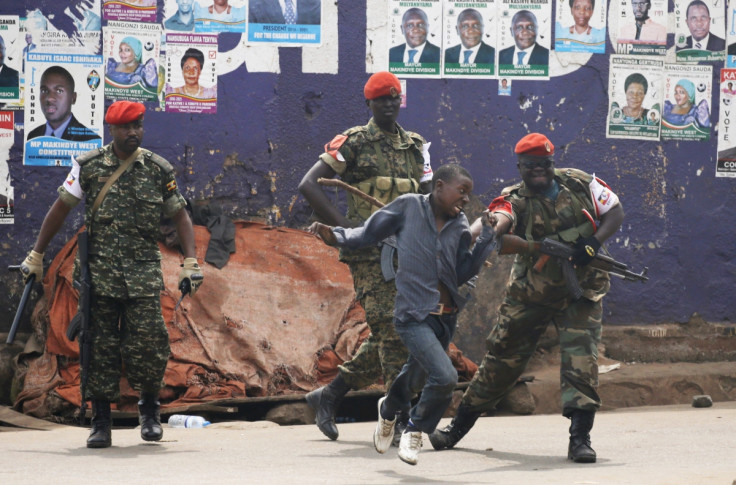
(382, 165)
(537, 217)
(123, 253)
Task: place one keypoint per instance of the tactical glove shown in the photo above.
(585, 251)
(32, 265)
(188, 269)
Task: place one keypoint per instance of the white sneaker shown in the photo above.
(411, 443)
(384, 433)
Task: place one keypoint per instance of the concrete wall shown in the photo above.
(277, 108)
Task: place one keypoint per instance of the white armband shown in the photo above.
(427, 173)
(603, 197)
(71, 184)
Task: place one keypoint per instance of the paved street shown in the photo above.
(666, 445)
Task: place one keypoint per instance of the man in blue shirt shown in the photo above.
(433, 243)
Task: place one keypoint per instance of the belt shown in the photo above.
(443, 309)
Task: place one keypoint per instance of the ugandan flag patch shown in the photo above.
(171, 185)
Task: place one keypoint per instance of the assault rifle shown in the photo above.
(549, 248)
(79, 326)
(21, 305)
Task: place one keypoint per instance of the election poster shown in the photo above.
(700, 29)
(580, 26)
(524, 34)
(642, 27)
(129, 10)
(191, 73)
(687, 97)
(11, 64)
(726, 161)
(64, 105)
(288, 22)
(635, 97)
(731, 34)
(84, 39)
(213, 17)
(415, 37)
(131, 52)
(7, 135)
(469, 44)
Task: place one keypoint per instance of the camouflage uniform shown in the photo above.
(384, 166)
(125, 264)
(534, 299)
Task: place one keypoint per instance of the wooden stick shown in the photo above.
(351, 189)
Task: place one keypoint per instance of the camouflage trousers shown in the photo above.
(128, 333)
(382, 354)
(512, 343)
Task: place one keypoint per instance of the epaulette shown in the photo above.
(87, 156)
(417, 138)
(354, 130)
(507, 190)
(575, 174)
(158, 160)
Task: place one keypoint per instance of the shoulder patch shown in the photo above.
(158, 160)
(333, 147)
(87, 156)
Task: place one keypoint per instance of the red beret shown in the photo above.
(121, 112)
(382, 84)
(535, 144)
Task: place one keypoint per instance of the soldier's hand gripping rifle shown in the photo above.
(79, 326)
(21, 305)
(549, 248)
(388, 245)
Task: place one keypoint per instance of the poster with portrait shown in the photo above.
(129, 10)
(687, 102)
(7, 136)
(642, 27)
(524, 37)
(415, 38)
(731, 34)
(469, 40)
(726, 160)
(84, 39)
(191, 73)
(580, 26)
(178, 15)
(64, 104)
(700, 31)
(285, 22)
(131, 52)
(10, 58)
(220, 16)
(635, 97)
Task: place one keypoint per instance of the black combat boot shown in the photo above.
(579, 451)
(325, 402)
(454, 432)
(101, 434)
(149, 417)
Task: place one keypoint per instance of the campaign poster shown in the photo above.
(581, 27)
(179, 15)
(700, 31)
(469, 40)
(11, 64)
(84, 39)
(731, 34)
(688, 92)
(524, 36)
(191, 73)
(642, 27)
(213, 17)
(131, 54)
(129, 10)
(415, 37)
(64, 104)
(726, 161)
(7, 135)
(635, 97)
(285, 22)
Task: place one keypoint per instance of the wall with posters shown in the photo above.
(278, 103)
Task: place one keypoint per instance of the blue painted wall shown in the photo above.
(270, 128)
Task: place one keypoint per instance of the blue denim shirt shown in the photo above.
(426, 257)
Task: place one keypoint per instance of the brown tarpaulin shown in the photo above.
(277, 319)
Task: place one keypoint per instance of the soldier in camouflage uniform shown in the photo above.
(561, 204)
(382, 160)
(126, 324)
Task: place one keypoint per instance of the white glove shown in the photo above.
(32, 265)
(190, 275)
